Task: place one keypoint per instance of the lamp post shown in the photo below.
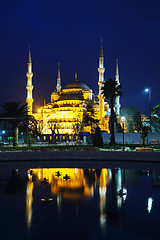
(123, 120)
(28, 136)
(147, 90)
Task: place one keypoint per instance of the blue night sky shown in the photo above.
(70, 32)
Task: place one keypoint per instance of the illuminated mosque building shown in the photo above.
(65, 111)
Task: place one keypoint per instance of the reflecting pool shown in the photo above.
(78, 203)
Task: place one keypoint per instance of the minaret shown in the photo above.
(58, 87)
(29, 86)
(117, 99)
(101, 71)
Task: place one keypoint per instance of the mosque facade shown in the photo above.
(65, 112)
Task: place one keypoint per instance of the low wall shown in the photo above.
(80, 155)
(130, 138)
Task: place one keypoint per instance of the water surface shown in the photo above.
(78, 203)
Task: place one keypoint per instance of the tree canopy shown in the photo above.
(89, 117)
(132, 118)
(155, 123)
(15, 112)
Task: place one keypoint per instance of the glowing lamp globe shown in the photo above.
(146, 90)
(123, 119)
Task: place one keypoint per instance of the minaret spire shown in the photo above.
(101, 50)
(29, 55)
(29, 86)
(58, 87)
(117, 71)
(101, 71)
(117, 99)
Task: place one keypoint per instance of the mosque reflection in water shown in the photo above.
(74, 184)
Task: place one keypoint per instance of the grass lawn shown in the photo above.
(117, 147)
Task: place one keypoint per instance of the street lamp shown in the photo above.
(123, 120)
(3, 135)
(148, 90)
(28, 136)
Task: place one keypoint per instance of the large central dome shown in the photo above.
(76, 84)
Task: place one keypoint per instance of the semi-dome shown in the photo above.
(66, 96)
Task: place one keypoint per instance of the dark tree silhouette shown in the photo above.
(98, 140)
(145, 131)
(110, 90)
(15, 112)
(29, 126)
(89, 117)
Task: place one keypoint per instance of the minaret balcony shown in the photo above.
(117, 105)
(29, 87)
(29, 75)
(101, 83)
(30, 100)
(101, 70)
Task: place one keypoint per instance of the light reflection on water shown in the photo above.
(68, 183)
(96, 202)
(29, 201)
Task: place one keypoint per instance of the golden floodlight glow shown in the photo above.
(39, 110)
